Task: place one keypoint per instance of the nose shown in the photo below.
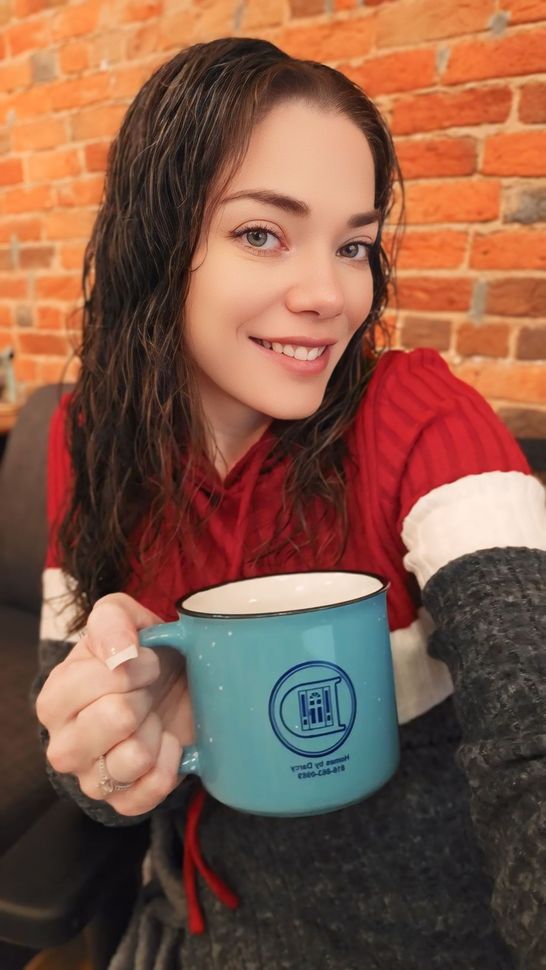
(315, 287)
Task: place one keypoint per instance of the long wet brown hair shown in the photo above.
(135, 408)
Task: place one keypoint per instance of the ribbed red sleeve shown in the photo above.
(430, 429)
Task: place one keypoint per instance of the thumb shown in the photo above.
(112, 628)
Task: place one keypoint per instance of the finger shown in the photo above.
(150, 789)
(112, 628)
(138, 754)
(97, 728)
(74, 684)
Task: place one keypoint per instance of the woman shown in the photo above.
(233, 418)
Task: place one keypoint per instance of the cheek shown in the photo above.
(359, 300)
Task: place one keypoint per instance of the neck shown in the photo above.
(229, 446)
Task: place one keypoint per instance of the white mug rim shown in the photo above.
(184, 611)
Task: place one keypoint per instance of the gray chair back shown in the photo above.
(23, 524)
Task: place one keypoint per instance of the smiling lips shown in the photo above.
(296, 347)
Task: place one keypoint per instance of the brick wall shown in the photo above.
(463, 83)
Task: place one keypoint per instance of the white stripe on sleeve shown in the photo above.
(494, 509)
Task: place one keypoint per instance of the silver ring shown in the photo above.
(107, 784)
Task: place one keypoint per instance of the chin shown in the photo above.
(290, 411)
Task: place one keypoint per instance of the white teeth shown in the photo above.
(299, 353)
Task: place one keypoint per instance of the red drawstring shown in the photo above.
(193, 859)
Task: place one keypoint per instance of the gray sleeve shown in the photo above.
(489, 608)
(50, 653)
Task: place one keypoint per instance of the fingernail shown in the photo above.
(118, 657)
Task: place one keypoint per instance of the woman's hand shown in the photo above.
(137, 715)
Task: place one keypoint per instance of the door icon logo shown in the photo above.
(312, 708)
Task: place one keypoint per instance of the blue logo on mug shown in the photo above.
(312, 708)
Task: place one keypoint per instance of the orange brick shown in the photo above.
(13, 287)
(455, 201)
(49, 318)
(52, 371)
(80, 192)
(73, 21)
(7, 260)
(448, 109)
(39, 135)
(436, 157)
(27, 200)
(108, 48)
(426, 332)
(142, 41)
(15, 75)
(505, 380)
(125, 82)
(141, 10)
(23, 229)
(517, 296)
(43, 343)
(434, 293)
(54, 165)
(69, 224)
(306, 8)
(6, 316)
(510, 249)
(531, 343)
(403, 71)
(335, 41)
(96, 156)
(269, 13)
(78, 92)
(346, 4)
(513, 54)
(26, 369)
(484, 340)
(36, 257)
(58, 287)
(516, 153)
(532, 104)
(11, 171)
(417, 21)
(32, 103)
(6, 339)
(72, 255)
(25, 8)
(29, 35)
(98, 122)
(74, 57)
(443, 249)
(523, 11)
(180, 29)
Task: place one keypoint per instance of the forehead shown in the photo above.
(311, 153)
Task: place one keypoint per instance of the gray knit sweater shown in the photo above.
(443, 868)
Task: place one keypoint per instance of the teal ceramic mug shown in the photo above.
(292, 689)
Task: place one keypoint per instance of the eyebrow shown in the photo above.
(297, 207)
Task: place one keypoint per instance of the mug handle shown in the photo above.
(172, 635)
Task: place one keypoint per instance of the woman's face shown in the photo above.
(282, 280)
